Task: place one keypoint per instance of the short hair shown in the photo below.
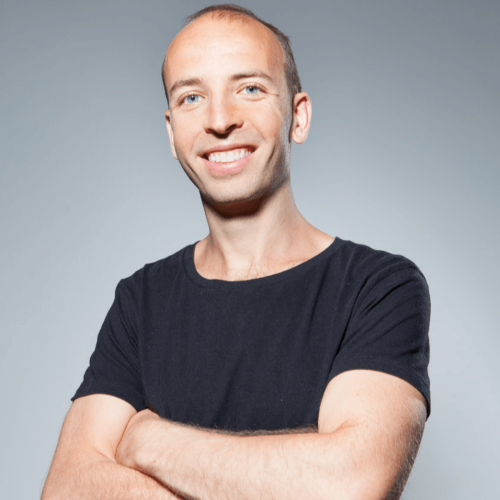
(230, 12)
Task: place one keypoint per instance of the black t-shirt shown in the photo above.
(258, 354)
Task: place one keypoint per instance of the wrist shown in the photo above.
(173, 452)
(157, 444)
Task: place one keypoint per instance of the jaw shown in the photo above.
(246, 194)
(241, 186)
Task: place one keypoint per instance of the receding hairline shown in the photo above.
(229, 16)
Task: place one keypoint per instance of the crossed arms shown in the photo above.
(369, 429)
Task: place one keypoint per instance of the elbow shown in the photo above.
(48, 491)
(49, 494)
(58, 486)
(380, 488)
(361, 488)
(52, 491)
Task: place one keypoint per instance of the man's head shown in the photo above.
(232, 12)
(226, 79)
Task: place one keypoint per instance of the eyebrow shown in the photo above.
(188, 82)
(251, 74)
(185, 83)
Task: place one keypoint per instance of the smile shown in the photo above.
(228, 156)
(227, 162)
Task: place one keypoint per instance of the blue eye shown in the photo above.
(252, 90)
(191, 99)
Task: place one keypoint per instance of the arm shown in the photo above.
(84, 465)
(370, 426)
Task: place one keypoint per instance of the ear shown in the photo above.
(301, 119)
(170, 133)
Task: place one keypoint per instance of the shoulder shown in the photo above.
(368, 275)
(155, 275)
(365, 263)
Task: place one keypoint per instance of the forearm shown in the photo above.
(104, 479)
(204, 465)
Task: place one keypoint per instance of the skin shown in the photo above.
(369, 428)
(370, 423)
(255, 227)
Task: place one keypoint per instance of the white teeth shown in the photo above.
(229, 156)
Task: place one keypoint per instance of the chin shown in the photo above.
(243, 201)
(234, 203)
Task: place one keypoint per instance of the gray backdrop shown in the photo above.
(403, 155)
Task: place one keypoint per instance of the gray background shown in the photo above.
(403, 155)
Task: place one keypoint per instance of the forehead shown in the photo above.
(209, 44)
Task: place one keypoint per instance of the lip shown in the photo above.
(230, 168)
(229, 147)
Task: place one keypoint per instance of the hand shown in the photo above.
(134, 436)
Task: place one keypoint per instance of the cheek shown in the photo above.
(183, 135)
(270, 123)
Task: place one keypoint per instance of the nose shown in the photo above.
(223, 116)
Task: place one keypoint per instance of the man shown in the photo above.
(268, 360)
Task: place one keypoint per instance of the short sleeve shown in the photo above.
(114, 365)
(389, 329)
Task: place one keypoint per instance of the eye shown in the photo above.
(191, 99)
(251, 89)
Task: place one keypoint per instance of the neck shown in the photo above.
(257, 239)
